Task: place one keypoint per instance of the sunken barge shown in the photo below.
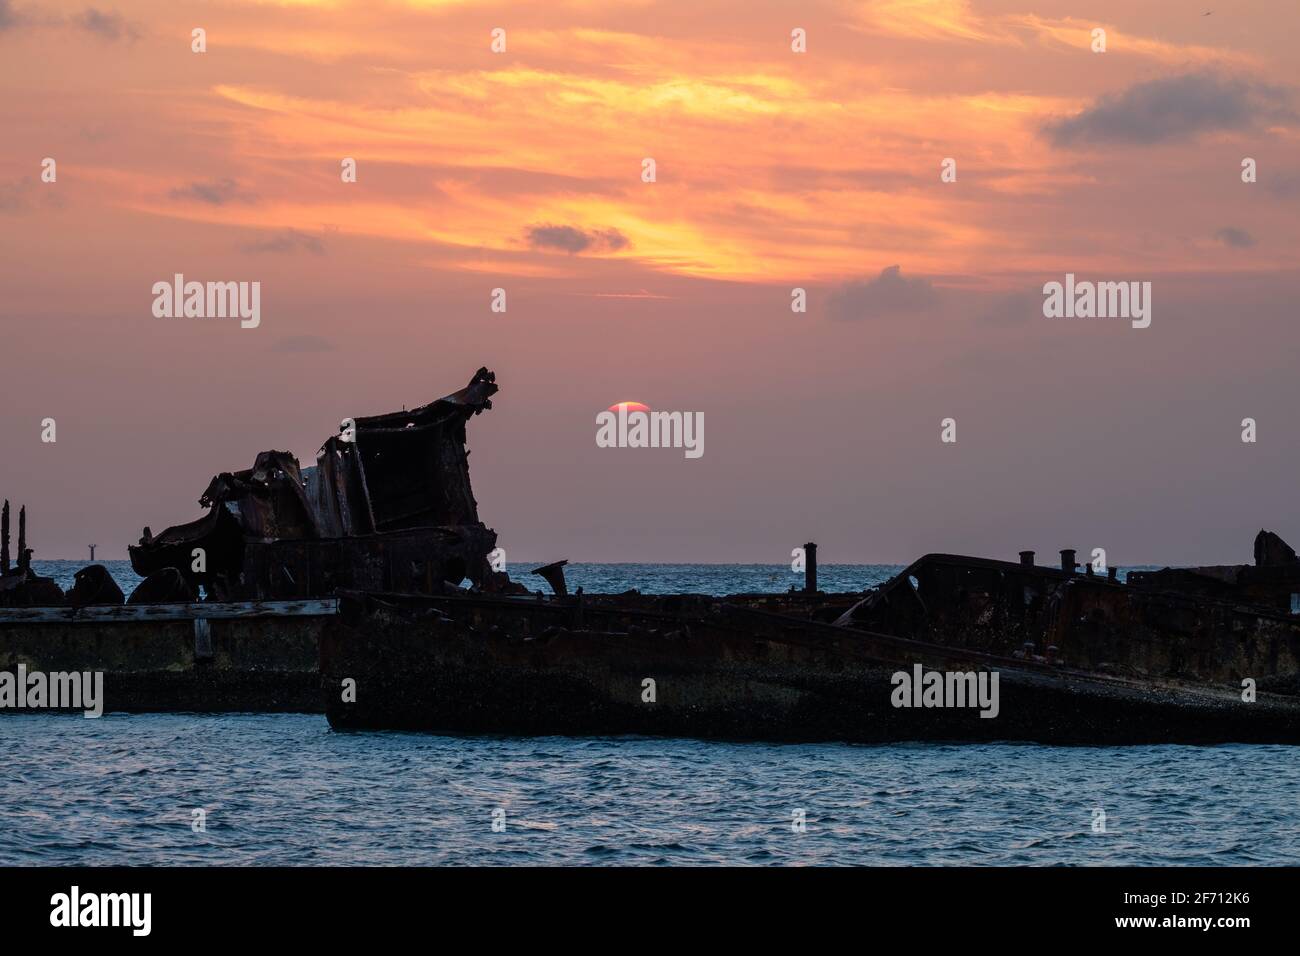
(365, 586)
(232, 606)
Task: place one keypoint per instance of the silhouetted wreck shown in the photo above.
(1272, 581)
(387, 507)
(1078, 658)
(362, 586)
(1219, 624)
(20, 586)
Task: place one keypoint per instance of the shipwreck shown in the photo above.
(362, 585)
(387, 506)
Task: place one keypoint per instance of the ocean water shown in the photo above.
(614, 578)
(285, 789)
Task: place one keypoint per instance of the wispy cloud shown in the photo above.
(639, 294)
(108, 24)
(1173, 109)
(217, 192)
(889, 293)
(771, 166)
(1011, 308)
(286, 241)
(573, 240)
(25, 194)
(1234, 238)
(16, 196)
(1076, 34)
(924, 19)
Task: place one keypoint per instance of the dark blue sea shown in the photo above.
(285, 789)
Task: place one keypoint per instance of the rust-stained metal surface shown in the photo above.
(1081, 658)
(167, 586)
(386, 518)
(1155, 629)
(20, 586)
(1272, 581)
(388, 505)
(217, 534)
(715, 668)
(268, 501)
(245, 657)
(93, 585)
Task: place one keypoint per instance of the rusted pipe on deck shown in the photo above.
(810, 568)
(1026, 559)
(24, 556)
(1068, 564)
(554, 576)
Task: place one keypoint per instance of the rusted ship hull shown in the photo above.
(717, 669)
(1087, 623)
(248, 656)
(386, 521)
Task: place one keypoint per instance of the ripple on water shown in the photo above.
(284, 789)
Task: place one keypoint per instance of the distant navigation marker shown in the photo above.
(92, 552)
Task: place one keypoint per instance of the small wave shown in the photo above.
(282, 789)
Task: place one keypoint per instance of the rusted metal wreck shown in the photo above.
(1078, 659)
(387, 506)
(362, 585)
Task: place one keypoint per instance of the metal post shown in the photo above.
(23, 557)
(810, 568)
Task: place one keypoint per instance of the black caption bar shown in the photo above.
(135, 906)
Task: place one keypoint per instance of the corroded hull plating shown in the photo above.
(251, 656)
(721, 669)
(386, 520)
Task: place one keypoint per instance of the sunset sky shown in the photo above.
(522, 170)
